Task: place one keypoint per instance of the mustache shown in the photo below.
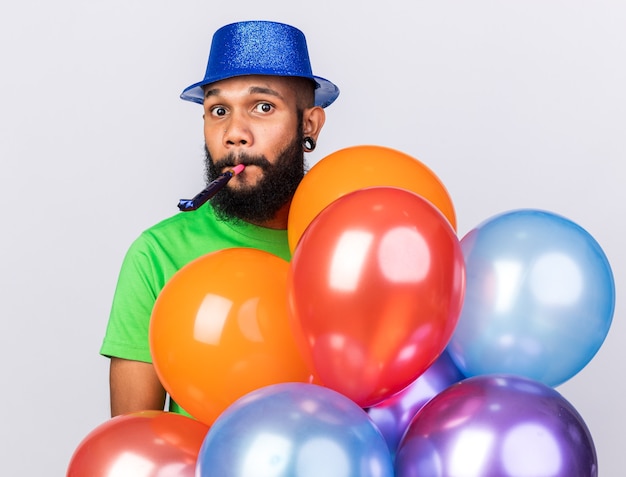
(231, 160)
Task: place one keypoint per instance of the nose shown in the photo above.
(237, 132)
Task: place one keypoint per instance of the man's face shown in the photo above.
(255, 121)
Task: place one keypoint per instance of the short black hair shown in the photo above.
(305, 92)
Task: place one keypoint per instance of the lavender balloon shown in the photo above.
(393, 415)
(294, 430)
(497, 425)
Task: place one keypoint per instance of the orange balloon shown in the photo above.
(220, 329)
(356, 168)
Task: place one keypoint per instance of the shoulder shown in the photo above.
(187, 235)
(198, 222)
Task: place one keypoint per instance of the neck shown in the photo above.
(279, 221)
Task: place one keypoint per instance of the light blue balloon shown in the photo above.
(294, 430)
(539, 298)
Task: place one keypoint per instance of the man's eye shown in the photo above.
(218, 111)
(264, 107)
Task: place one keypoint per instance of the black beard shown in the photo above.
(261, 202)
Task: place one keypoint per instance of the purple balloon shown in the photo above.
(392, 416)
(497, 425)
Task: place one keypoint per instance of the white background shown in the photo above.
(517, 103)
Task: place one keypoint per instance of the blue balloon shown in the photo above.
(294, 430)
(539, 298)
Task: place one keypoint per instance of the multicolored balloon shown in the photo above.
(375, 291)
(539, 298)
(393, 415)
(501, 425)
(141, 444)
(294, 430)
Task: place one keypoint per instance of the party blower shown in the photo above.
(213, 188)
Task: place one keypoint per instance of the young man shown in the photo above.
(263, 108)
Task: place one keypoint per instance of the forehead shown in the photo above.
(285, 88)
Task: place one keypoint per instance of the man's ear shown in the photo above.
(312, 121)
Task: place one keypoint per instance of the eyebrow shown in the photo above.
(252, 90)
(211, 92)
(262, 90)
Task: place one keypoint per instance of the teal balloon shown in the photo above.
(539, 298)
(294, 430)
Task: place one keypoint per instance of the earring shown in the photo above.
(308, 143)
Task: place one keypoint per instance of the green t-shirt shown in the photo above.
(156, 255)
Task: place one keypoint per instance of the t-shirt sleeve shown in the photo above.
(129, 322)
